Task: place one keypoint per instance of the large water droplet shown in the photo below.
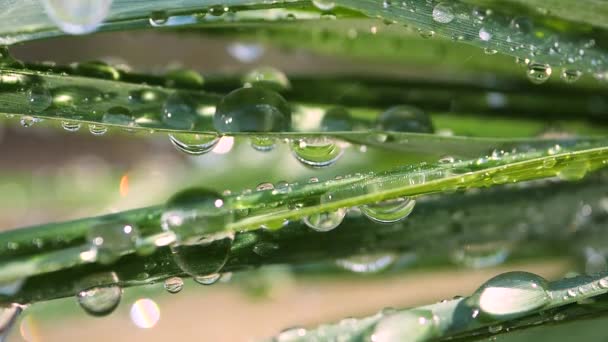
(181, 110)
(324, 5)
(111, 240)
(100, 300)
(369, 263)
(389, 211)
(195, 216)
(405, 119)
(325, 221)
(411, 325)
(316, 152)
(174, 284)
(511, 294)
(39, 98)
(337, 119)
(77, 16)
(267, 77)
(158, 18)
(255, 109)
(443, 13)
(538, 73)
(194, 144)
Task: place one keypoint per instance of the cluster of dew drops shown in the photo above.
(266, 111)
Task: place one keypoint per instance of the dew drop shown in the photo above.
(97, 129)
(196, 218)
(255, 109)
(485, 35)
(120, 116)
(324, 5)
(494, 329)
(511, 294)
(146, 96)
(573, 171)
(174, 284)
(98, 69)
(158, 18)
(39, 98)
(316, 152)
(192, 143)
(443, 13)
(325, 221)
(410, 325)
(389, 211)
(184, 78)
(263, 143)
(603, 283)
(368, 263)
(337, 119)
(180, 110)
(77, 16)
(481, 255)
(111, 240)
(570, 75)
(100, 300)
(538, 73)
(209, 279)
(405, 119)
(522, 25)
(27, 121)
(268, 77)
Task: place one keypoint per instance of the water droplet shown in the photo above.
(494, 329)
(209, 279)
(573, 171)
(217, 10)
(369, 263)
(39, 98)
(324, 5)
(389, 211)
(337, 119)
(194, 144)
(603, 283)
(27, 121)
(570, 75)
(490, 51)
(316, 152)
(174, 284)
(146, 96)
(410, 325)
(111, 240)
(326, 221)
(443, 13)
(485, 35)
(145, 313)
(522, 25)
(97, 129)
(184, 78)
(71, 96)
(560, 316)
(100, 300)
(197, 219)
(180, 110)
(158, 18)
(538, 73)
(481, 255)
(255, 109)
(118, 116)
(264, 187)
(97, 69)
(511, 294)
(291, 334)
(426, 34)
(405, 119)
(267, 77)
(263, 143)
(77, 16)
(265, 249)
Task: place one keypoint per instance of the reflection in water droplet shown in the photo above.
(209, 279)
(39, 98)
(194, 144)
(255, 109)
(389, 211)
(145, 313)
(443, 13)
(405, 119)
(77, 16)
(411, 325)
(316, 152)
(538, 73)
(180, 110)
(118, 116)
(70, 126)
(111, 240)
(174, 284)
(511, 294)
(100, 300)
(570, 75)
(325, 221)
(158, 18)
(263, 143)
(267, 77)
(97, 129)
(368, 263)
